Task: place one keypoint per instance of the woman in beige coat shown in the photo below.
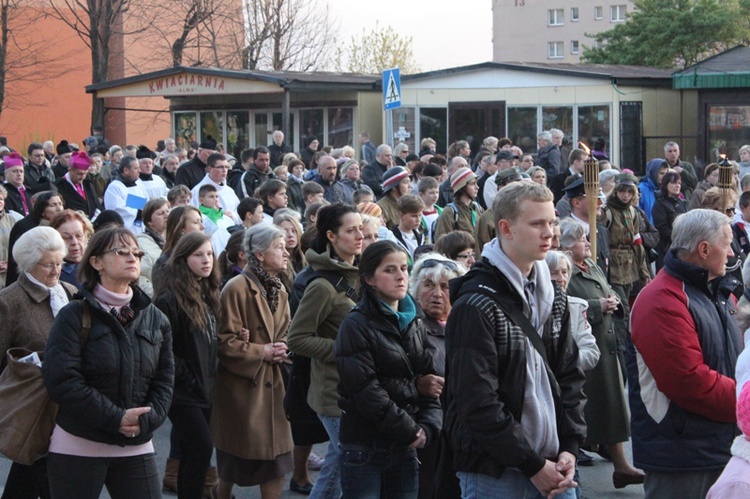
(27, 309)
(252, 436)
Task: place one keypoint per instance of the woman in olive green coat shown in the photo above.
(607, 413)
(316, 323)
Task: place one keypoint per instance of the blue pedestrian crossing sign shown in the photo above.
(391, 89)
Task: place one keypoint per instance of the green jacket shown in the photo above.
(314, 327)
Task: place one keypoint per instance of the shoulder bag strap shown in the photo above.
(338, 282)
(85, 322)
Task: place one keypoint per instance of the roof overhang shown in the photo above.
(181, 81)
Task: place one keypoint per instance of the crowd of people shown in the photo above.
(439, 319)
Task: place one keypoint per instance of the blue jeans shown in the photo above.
(369, 473)
(328, 483)
(511, 485)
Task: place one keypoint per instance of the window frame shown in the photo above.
(574, 14)
(558, 15)
(598, 13)
(559, 50)
(621, 10)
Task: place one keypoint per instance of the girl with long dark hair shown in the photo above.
(191, 303)
(381, 350)
(316, 322)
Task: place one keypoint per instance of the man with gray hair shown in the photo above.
(686, 170)
(681, 370)
(548, 156)
(278, 148)
(170, 146)
(372, 173)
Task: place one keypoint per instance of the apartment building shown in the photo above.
(551, 30)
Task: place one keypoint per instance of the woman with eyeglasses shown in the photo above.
(112, 382)
(75, 230)
(191, 303)
(428, 285)
(400, 152)
(28, 307)
(459, 247)
(381, 351)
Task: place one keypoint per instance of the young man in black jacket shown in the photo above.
(514, 399)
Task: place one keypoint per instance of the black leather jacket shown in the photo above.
(378, 367)
(118, 368)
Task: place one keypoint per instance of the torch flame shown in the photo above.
(722, 157)
(584, 147)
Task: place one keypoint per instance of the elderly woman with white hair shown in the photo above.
(560, 270)
(400, 152)
(607, 181)
(252, 436)
(28, 308)
(428, 285)
(606, 412)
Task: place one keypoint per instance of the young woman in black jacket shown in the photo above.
(381, 350)
(191, 302)
(112, 381)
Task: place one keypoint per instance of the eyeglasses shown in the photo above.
(729, 211)
(466, 256)
(49, 267)
(125, 252)
(431, 263)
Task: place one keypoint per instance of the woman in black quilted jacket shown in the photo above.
(381, 351)
(113, 383)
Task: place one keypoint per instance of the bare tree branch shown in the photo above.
(22, 54)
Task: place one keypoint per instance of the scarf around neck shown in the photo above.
(271, 285)
(405, 314)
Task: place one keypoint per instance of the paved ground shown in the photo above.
(596, 480)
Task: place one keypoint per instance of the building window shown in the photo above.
(555, 50)
(555, 17)
(727, 127)
(433, 123)
(185, 128)
(558, 117)
(340, 127)
(574, 48)
(598, 13)
(594, 123)
(238, 132)
(617, 13)
(212, 123)
(522, 127)
(312, 122)
(574, 14)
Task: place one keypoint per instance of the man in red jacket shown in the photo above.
(681, 371)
